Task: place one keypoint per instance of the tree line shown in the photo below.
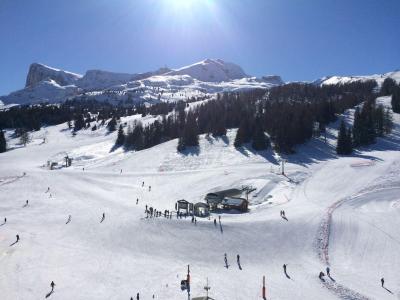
(285, 116)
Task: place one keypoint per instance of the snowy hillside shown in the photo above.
(379, 78)
(46, 84)
(342, 212)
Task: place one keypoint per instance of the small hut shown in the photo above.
(183, 205)
(201, 209)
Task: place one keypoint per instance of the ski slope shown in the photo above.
(342, 212)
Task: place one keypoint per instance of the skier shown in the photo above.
(142, 183)
(52, 284)
(137, 201)
(5, 220)
(149, 188)
(382, 281)
(48, 190)
(120, 172)
(226, 261)
(284, 268)
(146, 209)
(328, 271)
(103, 217)
(137, 296)
(27, 202)
(17, 238)
(321, 275)
(195, 221)
(215, 222)
(238, 259)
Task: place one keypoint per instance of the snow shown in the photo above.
(211, 70)
(342, 211)
(45, 84)
(379, 78)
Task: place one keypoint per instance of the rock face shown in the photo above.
(212, 70)
(207, 77)
(38, 72)
(273, 79)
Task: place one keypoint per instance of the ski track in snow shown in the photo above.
(322, 242)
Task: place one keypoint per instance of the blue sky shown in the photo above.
(297, 39)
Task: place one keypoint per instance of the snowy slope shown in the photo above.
(211, 70)
(342, 211)
(379, 78)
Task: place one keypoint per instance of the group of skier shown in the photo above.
(152, 212)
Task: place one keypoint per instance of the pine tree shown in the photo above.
(189, 135)
(387, 121)
(240, 135)
(121, 136)
(25, 137)
(396, 99)
(379, 116)
(3, 142)
(388, 86)
(181, 144)
(343, 146)
(79, 122)
(260, 141)
(112, 125)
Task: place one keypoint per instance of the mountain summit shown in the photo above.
(207, 77)
(212, 70)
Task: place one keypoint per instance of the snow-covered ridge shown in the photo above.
(211, 70)
(47, 84)
(379, 78)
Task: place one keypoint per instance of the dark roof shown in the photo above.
(183, 201)
(233, 201)
(201, 204)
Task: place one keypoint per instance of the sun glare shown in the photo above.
(188, 5)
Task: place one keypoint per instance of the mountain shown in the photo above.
(39, 72)
(379, 78)
(210, 76)
(211, 70)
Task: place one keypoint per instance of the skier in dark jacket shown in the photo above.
(321, 275)
(17, 238)
(328, 271)
(137, 296)
(382, 281)
(52, 284)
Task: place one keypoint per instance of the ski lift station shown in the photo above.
(229, 199)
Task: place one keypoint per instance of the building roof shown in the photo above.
(233, 201)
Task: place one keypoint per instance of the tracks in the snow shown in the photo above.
(322, 245)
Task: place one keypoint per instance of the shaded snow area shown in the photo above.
(341, 212)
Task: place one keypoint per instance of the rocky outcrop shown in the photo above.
(38, 72)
